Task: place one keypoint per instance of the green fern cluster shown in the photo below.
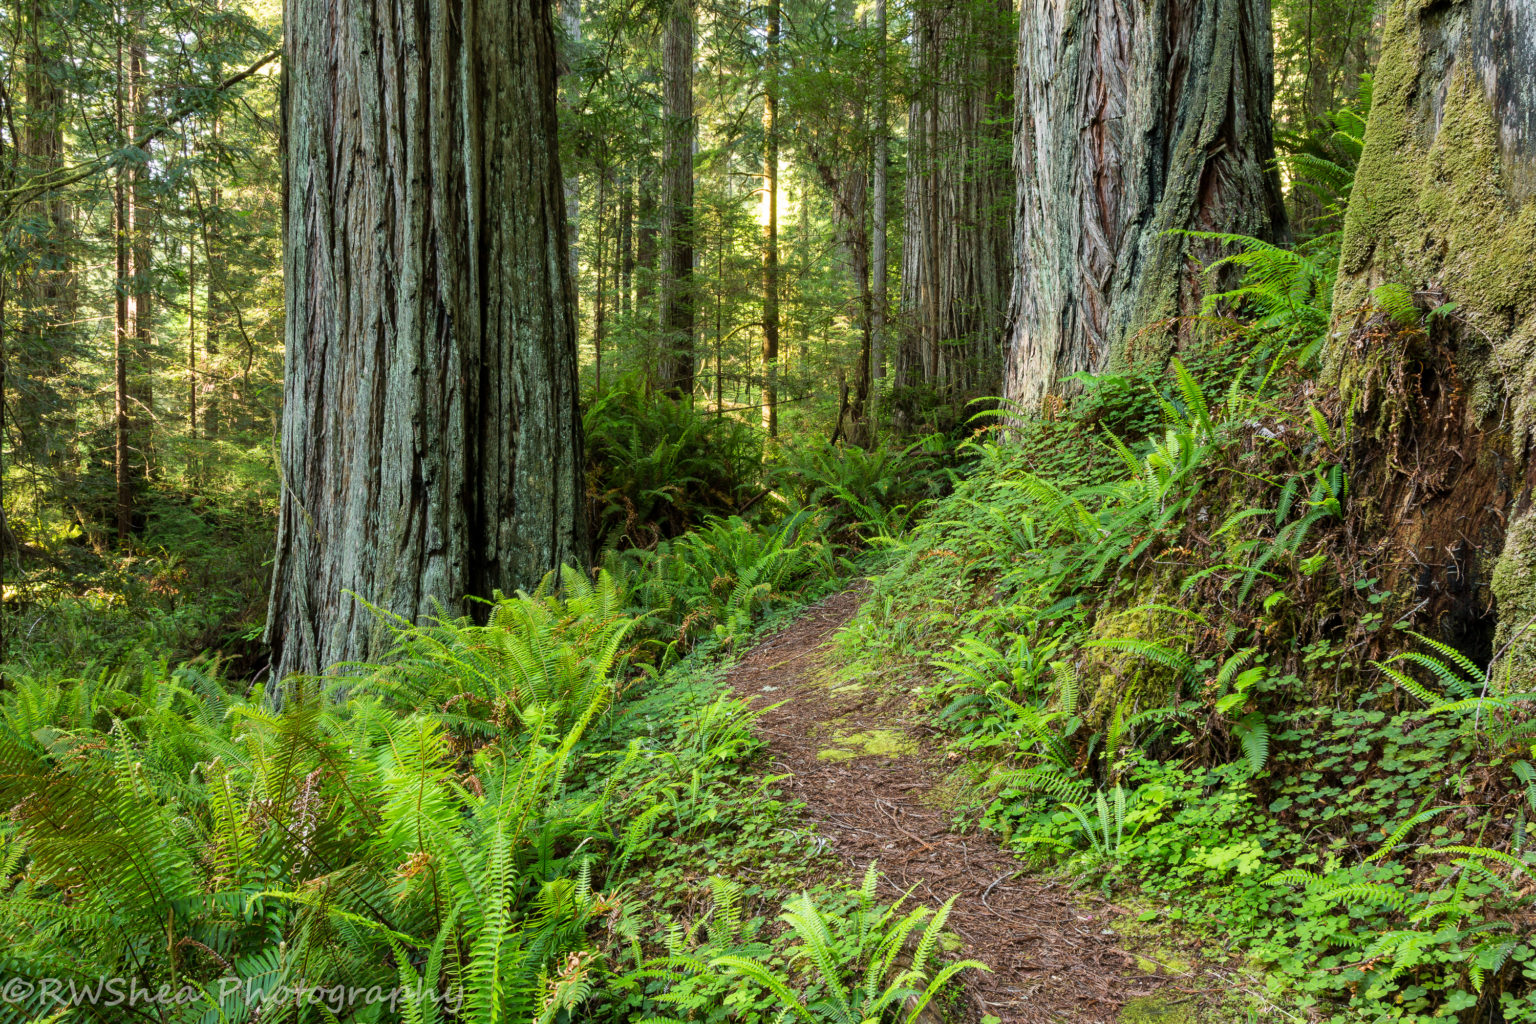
(658, 467)
(865, 495)
(403, 838)
(855, 969)
(718, 579)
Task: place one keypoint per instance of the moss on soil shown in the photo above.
(844, 746)
(1160, 1009)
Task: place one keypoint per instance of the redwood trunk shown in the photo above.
(431, 435)
(570, 15)
(1132, 120)
(677, 287)
(1443, 211)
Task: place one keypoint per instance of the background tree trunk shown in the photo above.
(677, 298)
(850, 202)
(647, 234)
(1444, 407)
(600, 306)
(626, 243)
(42, 306)
(122, 316)
(431, 436)
(955, 265)
(570, 16)
(1132, 120)
(141, 414)
(880, 293)
(771, 227)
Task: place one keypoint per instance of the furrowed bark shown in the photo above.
(570, 16)
(431, 436)
(1131, 121)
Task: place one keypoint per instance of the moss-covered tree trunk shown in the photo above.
(1442, 221)
(1132, 120)
(431, 437)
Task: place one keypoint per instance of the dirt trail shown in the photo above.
(1051, 959)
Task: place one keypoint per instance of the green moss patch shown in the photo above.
(869, 743)
(1159, 1010)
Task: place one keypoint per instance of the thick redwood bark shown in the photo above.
(955, 267)
(431, 436)
(570, 16)
(676, 364)
(1132, 120)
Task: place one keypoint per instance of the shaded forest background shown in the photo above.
(852, 161)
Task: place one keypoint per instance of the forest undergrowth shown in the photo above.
(548, 813)
(1170, 663)
(1166, 648)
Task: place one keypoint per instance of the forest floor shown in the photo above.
(859, 762)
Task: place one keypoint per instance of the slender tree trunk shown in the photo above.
(803, 259)
(141, 414)
(1132, 121)
(431, 433)
(122, 232)
(720, 251)
(626, 244)
(880, 300)
(215, 309)
(850, 195)
(677, 286)
(646, 234)
(192, 334)
(9, 547)
(600, 311)
(1443, 408)
(771, 225)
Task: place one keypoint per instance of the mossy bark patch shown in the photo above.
(1444, 207)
